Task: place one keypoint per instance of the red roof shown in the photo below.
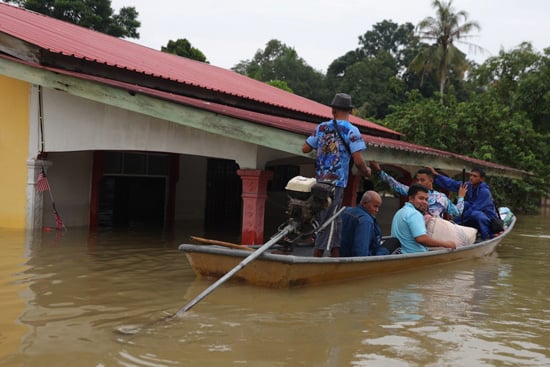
(68, 39)
(297, 126)
(71, 40)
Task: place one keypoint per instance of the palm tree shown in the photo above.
(444, 30)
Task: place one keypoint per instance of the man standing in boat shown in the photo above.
(409, 227)
(337, 142)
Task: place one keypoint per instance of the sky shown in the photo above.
(229, 31)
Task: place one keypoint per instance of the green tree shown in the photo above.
(397, 39)
(444, 30)
(337, 68)
(93, 14)
(375, 73)
(281, 62)
(281, 85)
(519, 78)
(183, 48)
(373, 84)
(481, 128)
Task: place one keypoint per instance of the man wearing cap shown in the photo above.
(337, 143)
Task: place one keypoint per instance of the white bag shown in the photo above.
(442, 229)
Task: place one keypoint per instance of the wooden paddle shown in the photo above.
(288, 229)
(281, 234)
(207, 241)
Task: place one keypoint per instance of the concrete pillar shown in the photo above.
(254, 195)
(34, 207)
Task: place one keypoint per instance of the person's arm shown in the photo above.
(446, 182)
(362, 239)
(311, 141)
(417, 227)
(484, 200)
(361, 164)
(395, 185)
(460, 200)
(428, 241)
(456, 210)
(356, 145)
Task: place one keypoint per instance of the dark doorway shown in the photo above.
(223, 196)
(127, 201)
(133, 189)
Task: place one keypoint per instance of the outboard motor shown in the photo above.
(306, 199)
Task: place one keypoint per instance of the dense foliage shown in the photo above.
(498, 111)
(282, 63)
(183, 48)
(93, 14)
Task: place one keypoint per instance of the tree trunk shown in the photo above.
(442, 84)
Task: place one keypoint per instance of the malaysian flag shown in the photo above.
(42, 182)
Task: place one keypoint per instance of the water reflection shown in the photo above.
(99, 299)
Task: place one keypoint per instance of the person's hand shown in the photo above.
(368, 172)
(375, 166)
(433, 170)
(462, 190)
(450, 244)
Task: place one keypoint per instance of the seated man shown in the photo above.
(479, 207)
(361, 234)
(438, 202)
(408, 224)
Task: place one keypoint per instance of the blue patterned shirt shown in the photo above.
(332, 164)
(438, 202)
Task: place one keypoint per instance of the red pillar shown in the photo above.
(254, 195)
(97, 174)
(350, 193)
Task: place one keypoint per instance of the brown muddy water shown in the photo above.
(98, 299)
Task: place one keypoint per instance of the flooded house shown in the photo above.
(130, 136)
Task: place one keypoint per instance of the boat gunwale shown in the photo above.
(296, 259)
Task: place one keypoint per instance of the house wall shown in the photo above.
(74, 124)
(191, 189)
(70, 177)
(14, 140)
(73, 128)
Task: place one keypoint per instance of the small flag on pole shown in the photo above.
(58, 221)
(42, 182)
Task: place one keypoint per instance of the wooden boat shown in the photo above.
(275, 270)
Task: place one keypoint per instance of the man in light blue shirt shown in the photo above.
(408, 224)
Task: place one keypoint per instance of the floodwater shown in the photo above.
(102, 299)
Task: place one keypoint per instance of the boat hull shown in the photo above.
(282, 271)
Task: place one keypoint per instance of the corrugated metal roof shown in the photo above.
(70, 40)
(282, 123)
(67, 39)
